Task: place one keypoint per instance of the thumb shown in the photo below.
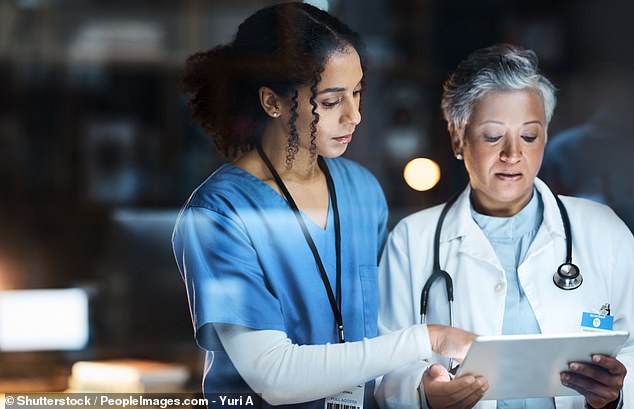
(438, 373)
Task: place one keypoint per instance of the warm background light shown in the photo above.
(421, 174)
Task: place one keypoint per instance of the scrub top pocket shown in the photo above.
(368, 275)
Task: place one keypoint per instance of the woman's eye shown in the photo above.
(488, 138)
(331, 103)
(529, 138)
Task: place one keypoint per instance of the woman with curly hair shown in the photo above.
(279, 249)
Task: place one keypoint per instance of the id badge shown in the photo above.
(596, 322)
(348, 399)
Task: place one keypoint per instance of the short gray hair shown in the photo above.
(499, 67)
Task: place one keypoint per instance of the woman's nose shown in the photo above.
(511, 151)
(351, 113)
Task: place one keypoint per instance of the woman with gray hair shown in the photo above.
(501, 242)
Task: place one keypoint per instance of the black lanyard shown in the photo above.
(334, 304)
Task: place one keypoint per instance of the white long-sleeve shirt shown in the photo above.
(286, 373)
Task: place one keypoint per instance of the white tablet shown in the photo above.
(528, 366)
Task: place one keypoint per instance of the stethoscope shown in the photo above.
(567, 276)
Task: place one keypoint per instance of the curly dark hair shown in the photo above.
(281, 47)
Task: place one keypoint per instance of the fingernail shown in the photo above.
(596, 358)
(573, 367)
(469, 380)
(564, 379)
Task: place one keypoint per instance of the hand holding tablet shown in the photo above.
(442, 390)
(600, 380)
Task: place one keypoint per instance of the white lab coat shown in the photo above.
(603, 248)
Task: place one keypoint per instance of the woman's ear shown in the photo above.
(270, 101)
(457, 140)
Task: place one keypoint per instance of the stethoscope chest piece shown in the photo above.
(568, 277)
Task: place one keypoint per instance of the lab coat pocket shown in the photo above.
(369, 289)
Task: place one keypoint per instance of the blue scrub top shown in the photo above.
(245, 261)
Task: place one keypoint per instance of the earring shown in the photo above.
(275, 114)
(458, 156)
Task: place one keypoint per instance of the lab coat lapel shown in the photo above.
(551, 226)
(459, 224)
(469, 258)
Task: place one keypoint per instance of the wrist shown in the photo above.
(436, 336)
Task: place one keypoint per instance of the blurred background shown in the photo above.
(97, 151)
